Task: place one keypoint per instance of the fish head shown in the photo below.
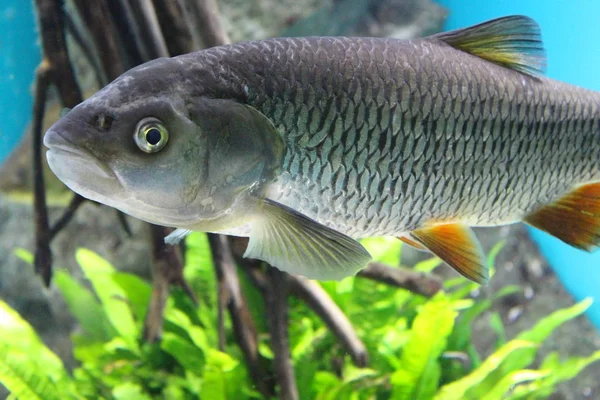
(152, 148)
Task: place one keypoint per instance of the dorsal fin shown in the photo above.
(513, 42)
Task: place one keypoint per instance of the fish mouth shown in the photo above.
(59, 148)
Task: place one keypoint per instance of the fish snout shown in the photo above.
(54, 140)
(66, 158)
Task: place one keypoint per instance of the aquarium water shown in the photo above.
(20, 56)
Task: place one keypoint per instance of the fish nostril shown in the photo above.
(103, 121)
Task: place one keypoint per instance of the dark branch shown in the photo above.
(128, 30)
(55, 51)
(277, 318)
(149, 29)
(43, 254)
(86, 48)
(243, 325)
(56, 69)
(335, 319)
(204, 18)
(167, 269)
(76, 201)
(222, 301)
(123, 222)
(175, 28)
(417, 282)
(98, 22)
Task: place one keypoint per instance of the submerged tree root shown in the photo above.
(120, 27)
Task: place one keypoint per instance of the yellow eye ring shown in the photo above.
(151, 135)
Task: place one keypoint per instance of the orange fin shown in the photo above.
(458, 247)
(413, 243)
(574, 218)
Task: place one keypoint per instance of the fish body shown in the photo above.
(383, 136)
(302, 143)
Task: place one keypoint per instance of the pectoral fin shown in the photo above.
(574, 218)
(176, 236)
(458, 247)
(296, 244)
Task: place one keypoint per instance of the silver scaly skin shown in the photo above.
(384, 135)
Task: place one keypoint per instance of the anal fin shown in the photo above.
(457, 246)
(574, 218)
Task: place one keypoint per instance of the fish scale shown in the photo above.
(469, 115)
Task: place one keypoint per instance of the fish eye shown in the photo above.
(151, 135)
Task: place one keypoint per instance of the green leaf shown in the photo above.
(129, 391)
(18, 336)
(547, 325)
(556, 373)
(420, 370)
(85, 307)
(23, 378)
(327, 386)
(498, 327)
(507, 383)
(457, 390)
(195, 333)
(426, 266)
(265, 350)
(137, 291)
(461, 336)
(393, 339)
(187, 355)
(354, 374)
(523, 357)
(24, 255)
(199, 271)
(218, 376)
(493, 253)
(384, 249)
(113, 298)
(304, 343)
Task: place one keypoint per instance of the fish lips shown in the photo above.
(79, 169)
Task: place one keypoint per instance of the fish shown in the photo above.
(305, 145)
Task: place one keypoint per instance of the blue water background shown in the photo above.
(19, 55)
(571, 34)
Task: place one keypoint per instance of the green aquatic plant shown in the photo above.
(411, 341)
